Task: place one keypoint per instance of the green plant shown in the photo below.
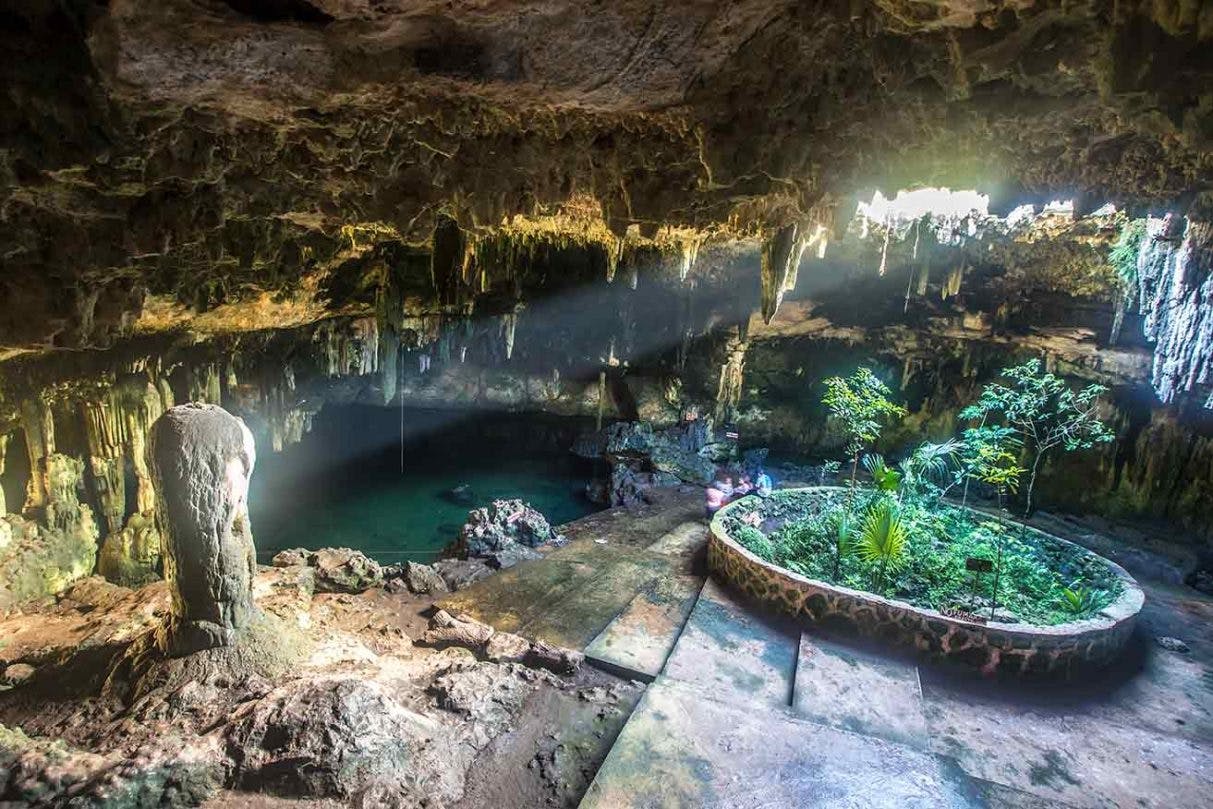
(1044, 412)
(1124, 252)
(990, 454)
(755, 541)
(844, 539)
(1076, 598)
(927, 466)
(882, 541)
(886, 478)
(860, 404)
(1123, 257)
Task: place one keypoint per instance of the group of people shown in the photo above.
(722, 491)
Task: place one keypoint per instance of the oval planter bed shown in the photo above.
(1021, 648)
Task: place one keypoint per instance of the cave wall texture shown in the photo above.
(275, 204)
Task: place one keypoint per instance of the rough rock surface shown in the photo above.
(202, 459)
(423, 579)
(357, 740)
(291, 557)
(502, 525)
(343, 570)
(460, 573)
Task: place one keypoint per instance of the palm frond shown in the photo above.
(883, 539)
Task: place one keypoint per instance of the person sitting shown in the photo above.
(743, 487)
(763, 485)
(713, 501)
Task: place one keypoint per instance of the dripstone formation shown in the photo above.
(202, 458)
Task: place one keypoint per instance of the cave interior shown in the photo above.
(366, 368)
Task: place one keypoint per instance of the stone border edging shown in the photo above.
(1016, 648)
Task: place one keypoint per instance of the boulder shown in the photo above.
(202, 458)
(423, 579)
(501, 524)
(344, 570)
(510, 555)
(291, 557)
(460, 573)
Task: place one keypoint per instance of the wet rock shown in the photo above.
(505, 647)
(344, 570)
(554, 658)
(18, 674)
(168, 773)
(202, 458)
(510, 556)
(423, 579)
(460, 573)
(1173, 644)
(501, 524)
(357, 740)
(486, 694)
(291, 557)
(457, 630)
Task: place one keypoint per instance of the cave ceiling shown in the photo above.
(161, 161)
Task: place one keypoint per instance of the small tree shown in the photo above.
(1044, 412)
(860, 403)
(990, 454)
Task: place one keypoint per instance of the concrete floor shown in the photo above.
(749, 711)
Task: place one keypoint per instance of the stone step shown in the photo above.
(637, 642)
(685, 541)
(735, 653)
(849, 688)
(682, 747)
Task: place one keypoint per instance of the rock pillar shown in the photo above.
(202, 458)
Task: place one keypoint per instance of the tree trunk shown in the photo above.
(1027, 512)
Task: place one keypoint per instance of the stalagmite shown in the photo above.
(39, 426)
(732, 373)
(202, 458)
(3, 460)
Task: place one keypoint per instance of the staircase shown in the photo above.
(747, 710)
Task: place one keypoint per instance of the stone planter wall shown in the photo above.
(1018, 648)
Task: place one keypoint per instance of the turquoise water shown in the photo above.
(343, 486)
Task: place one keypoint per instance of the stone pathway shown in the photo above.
(620, 588)
(746, 710)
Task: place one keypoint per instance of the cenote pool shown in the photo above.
(343, 485)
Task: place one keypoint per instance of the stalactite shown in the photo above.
(951, 287)
(1175, 292)
(366, 345)
(508, 326)
(106, 459)
(203, 383)
(781, 255)
(689, 254)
